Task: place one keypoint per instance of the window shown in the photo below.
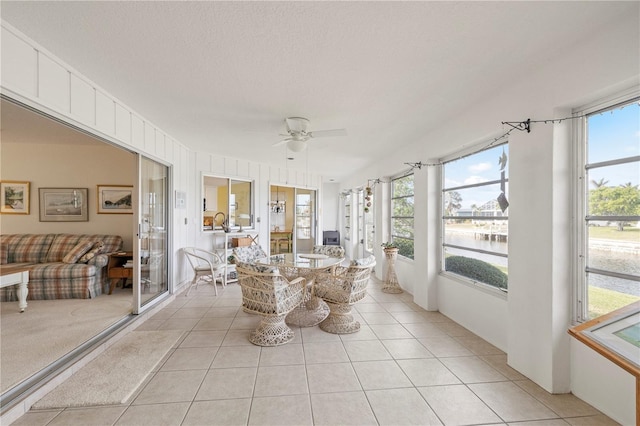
(303, 216)
(475, 221)
(226, 203)
(609, 234)
(402, 214)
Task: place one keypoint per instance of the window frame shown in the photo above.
(581, 189)
(470, 151)
(391, 215)
(308, 217)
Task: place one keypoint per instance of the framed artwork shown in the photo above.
(115, 199)
(14, 197)
(63, 204)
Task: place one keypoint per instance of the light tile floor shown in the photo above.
(406, 366)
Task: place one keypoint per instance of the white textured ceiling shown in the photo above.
(221, 76)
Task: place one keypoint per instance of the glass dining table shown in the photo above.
(313, 310)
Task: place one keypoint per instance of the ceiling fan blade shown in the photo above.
(282, 142)
(328, 133)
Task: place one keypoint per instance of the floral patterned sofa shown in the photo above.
(65, 266)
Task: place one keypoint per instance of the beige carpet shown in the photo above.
(49, 329)
(113, 376)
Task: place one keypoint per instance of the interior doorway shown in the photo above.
(293, 222)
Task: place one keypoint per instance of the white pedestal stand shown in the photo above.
(391, 284)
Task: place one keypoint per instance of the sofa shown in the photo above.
(64, 266)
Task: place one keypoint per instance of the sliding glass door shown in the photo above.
(153, 231)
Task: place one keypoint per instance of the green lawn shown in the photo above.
(602, 301)
(611, 233)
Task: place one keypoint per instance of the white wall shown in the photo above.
(330, 207)
(531, 323)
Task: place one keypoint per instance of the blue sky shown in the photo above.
(615, 134)
(477, 168)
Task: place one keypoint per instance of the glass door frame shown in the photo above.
(141, 304)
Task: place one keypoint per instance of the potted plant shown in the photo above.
(389, 245)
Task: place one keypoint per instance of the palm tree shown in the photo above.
(599, 183)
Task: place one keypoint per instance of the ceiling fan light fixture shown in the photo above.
(296, 145)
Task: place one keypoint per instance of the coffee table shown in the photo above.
(16, 275)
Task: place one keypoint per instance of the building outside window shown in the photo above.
(475, 219)
(609, 208)
(402, 214)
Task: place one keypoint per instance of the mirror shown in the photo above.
(227, 204)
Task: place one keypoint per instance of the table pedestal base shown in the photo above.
(340, 320)
(310, 313)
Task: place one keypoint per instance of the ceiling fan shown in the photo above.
(298, 135)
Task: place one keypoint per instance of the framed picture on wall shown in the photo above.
(115, 199)
(14, 197)
(63, 204)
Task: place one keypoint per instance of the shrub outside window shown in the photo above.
(402, 214)
(475, 221)
(609, 233)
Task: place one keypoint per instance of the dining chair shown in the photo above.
(207, 266)
(341, 288)
(248, 254)
(287, 242)
(332, 251)
(267, 293)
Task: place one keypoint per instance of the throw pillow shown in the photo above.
(97, 248)
(77, 252)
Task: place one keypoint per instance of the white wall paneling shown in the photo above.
(123, 123)
(137, 132)
(53, 84)
(105, 114)
(21, 73)
(83, 101)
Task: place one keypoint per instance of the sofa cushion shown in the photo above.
(97, 248)
(27, 248)
(57, 270)
(63, 243)
(4, 254)
(77, 252)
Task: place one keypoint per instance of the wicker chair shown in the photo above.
(248, 254)
(332, 251)
(267, 293)
(207, 266)
(340, 289)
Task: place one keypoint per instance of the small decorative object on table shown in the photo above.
(391, 284)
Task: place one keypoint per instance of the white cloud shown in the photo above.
(480, 167)
(451, 183)
(474, 179)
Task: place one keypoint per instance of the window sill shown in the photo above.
(485, 288)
